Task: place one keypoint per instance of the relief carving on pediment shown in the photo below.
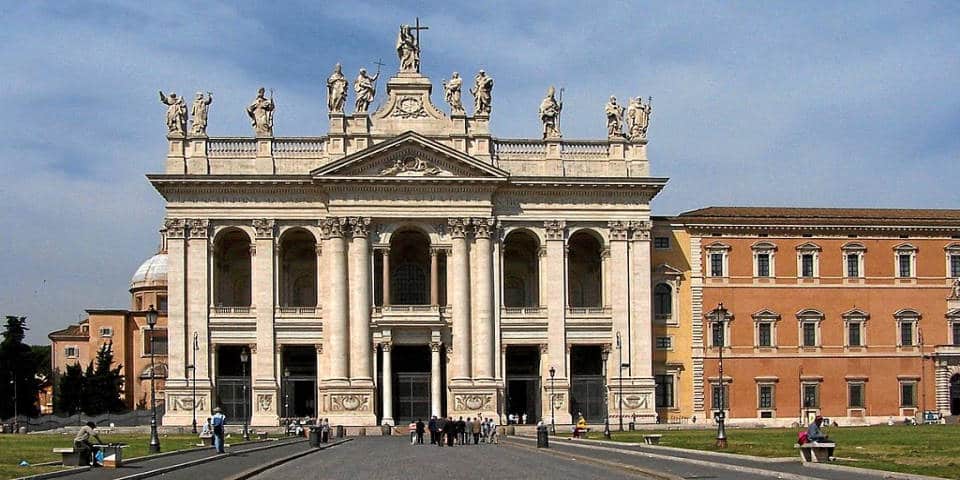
(411, 167)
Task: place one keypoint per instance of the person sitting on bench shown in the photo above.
(815, 435)
(83, 445)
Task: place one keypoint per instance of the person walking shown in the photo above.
(441, 430)
(450, 430)
(219, 422)
(462, 431)
(82, 443)
(412, 429)
(475, 428)
(432, 427)
(420, 428)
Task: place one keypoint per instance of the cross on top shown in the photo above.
(416, 28)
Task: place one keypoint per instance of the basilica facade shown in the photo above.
(409, 263)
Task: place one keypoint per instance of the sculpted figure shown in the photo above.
(366, 88)
(408, 50)
(176, 113)
(956, 289)
(199, 110)
(336, 90)
(261, 114)
(451, 92)
(482, 93)
(638, 118)
(550, 114)
(614, 113)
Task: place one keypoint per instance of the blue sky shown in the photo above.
(755, 103)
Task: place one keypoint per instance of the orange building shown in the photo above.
(849, 313)
(127, 334)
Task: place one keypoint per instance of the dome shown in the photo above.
(152, 272)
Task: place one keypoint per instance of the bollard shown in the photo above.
(543, 437)
(315, 437)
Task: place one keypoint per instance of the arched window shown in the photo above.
(521, 270)
(409, 268)
(662, 301)
(298, 269)
(231, 276)
(584, 270)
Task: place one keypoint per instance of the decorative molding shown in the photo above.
(360, 226)
(199, 227)
(175, 227)
(264, 402)
(435, 346)
(332, 227)
(319, 348)
(349, 402)
(411, 167)
(408, 107)
(458, 227)
(473, 401)
(555, 229)
(618, 229)
(386, 346)
(185, 402)
(482, 226)
(544, 348)
(264, 227)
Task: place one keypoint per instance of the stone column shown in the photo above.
(176, 383)
(385, 255)
(198, 304)
(482, 325)
(617, 284)
(359, 281)
(434, 277)
(435, 384)
(264, 398)
(460, 300)
(336, 333)
(387, 384)
(641, 297)
(555, 296)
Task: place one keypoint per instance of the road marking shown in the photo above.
(604, 463)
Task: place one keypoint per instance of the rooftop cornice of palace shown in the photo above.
(766, 228)
(648, 183)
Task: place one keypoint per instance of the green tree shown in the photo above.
(70, 390)
(18, 371)
(102, 384)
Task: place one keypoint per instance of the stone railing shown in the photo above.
(232, 148)
(589, 311)
(221, 310)
(406, 309)
(584, 149)
(299, 147)
(520, 149)
(523, 311)
(297, 310)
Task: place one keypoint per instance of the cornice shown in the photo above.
(713, 227)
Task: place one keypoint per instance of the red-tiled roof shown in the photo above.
(823, 216)
(71, 331)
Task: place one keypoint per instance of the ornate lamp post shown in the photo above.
(244, 357)
(719, 317)
(553, 424)
(606, 394)
(193, 370)
(620, 380)
(154, 438)
(286, 392)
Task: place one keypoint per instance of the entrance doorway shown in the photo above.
(955, 395)
(299, 381)
(233, 388)
(411, 383)
(523, 382)
(587, 383)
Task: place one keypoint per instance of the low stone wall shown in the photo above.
(132, 418)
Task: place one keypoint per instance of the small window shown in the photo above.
(106, 331)
(855, 395)
(721, 397)
(809, 334)
(138, 301)
(159, 344)
(661, 243)
(716, 264)
(717, 333)
(764, 334)
(664, 343)
(765, 397)
(853, 265)
(162, 303)
(662, 301)
(806, 262)
(664, 391)
(955, 328)
(763, 264)
(908, 394)
(71, 352)
(811, 395)
(906, 333)
(905, 263)
(854, 337)
(955, 266)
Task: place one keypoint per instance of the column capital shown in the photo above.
(198, 227)
(386, 346)
(555, 229)
(434, 251)
(264, 227)
(641, 230)
(618, 230)
(435, 346)
(458, 227)
(483, 227)
(175, 227)
(319, 347)
(332, 227)
(544, 348)
(359, 226)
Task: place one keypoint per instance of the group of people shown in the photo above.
(456, 432)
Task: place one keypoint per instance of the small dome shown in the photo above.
(152, 272)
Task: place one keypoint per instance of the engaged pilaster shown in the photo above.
(265, 388)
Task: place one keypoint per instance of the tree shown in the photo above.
(18, 371)
(70, 390)
(102, 384)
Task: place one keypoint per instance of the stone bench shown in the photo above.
(262, 435)
(816, 452)
(206, 440)
(70, 457)
(653, 439)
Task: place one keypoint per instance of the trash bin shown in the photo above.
(633, 426)
(341, 432)
(543, 438)
(315, 437)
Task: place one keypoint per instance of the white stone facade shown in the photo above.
(409, 170)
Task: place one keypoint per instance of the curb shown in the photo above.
(732, 456)
(55, 474)
(870, 471)
(170, 468)
(606, 463)
(276, 463)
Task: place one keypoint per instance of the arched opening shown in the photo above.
(521, 270)
(662, 301)
(231, 276)
(298, 269)
(955, 394)
(584, 271)
(409, 268)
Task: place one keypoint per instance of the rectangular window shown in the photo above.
(955, 266)
(765, 397)
(904, 260)
(955, 327)
(811, 395)
(809, 334)
(853, 334)
(806, 265)
(159, 344)
(853, 265)
(764, 334)
(661, 242)
(763, 264)
(908, 394)
(162, 303)
(716, 264)
(664, 343)
(106, 331)
(855, 395)
(71, 352)
(721, 397)
(717, 330)
(906, 333)
(664, 391)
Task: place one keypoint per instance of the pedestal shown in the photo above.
(347, 405)
(473, 400)
(638, 400)
(180, 401)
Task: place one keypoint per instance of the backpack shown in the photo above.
(802, 437)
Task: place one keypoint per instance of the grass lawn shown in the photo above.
(926, 450)
(36, 448)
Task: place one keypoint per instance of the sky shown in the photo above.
(826, 104)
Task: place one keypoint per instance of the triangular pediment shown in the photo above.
(410, 155)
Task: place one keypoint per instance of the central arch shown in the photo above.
(409, 268)
(521, 270)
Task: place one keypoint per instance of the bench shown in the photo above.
(206, 440)
(262, 435)
(652, 439)
(70, 457)
(816, 452)
(581, 432)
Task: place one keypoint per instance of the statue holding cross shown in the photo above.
(408, 47)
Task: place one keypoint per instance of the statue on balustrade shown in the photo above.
(261, 114)
(366, 88)
(482, 93)
(638, 118)
(176, 113)
(550, 113)
(201, 106)
(408, 49)
(614, 113)
(336, 90)
(451, 91)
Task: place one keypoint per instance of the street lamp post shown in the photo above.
(16, 412)
(193, 370)
(154, 438)
(553, 424)
(620, 381)
(606, 394)
(286, 392)
(244, 357)
(720, 318)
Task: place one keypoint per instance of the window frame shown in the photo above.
(813, 250)
(913, 386)
(660, 316)
(768, 249)
(105, 332)
(952, 252)
(953, 324)
(661, 247)
(853, 249)
(722, 249)
(145, 342)
(673, 390)
(903, 317)
(855, 317)
(910, 251)
(817, 394)
(669, 342)
(773, 396)
(815, 317)
(862, 385)
(74, 348)
(765, 317)
(715, 387)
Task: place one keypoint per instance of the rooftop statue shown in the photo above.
(638, 118)
(408, 47)
(261, 114)
(482, 93)
(451, 91)
(336, 90)
(614, 113)
(550, 114)
(176, 113)
(201, 106)
(366, 88)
